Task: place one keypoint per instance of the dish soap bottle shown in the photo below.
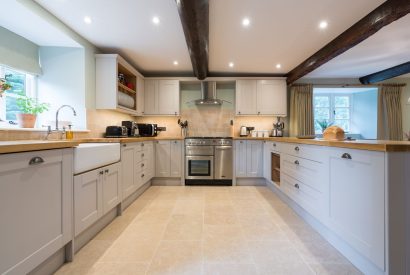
(69, 134)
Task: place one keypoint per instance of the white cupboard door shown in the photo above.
(271, 97)
(254, 158)
(267, 159)
(168, 97)
(357, 201)
(151, 97)
(87, 199)
(176, 158)
(162, 158)
(34, 201)
(240, 156)
(246, 97)
(140, 96)
(111, 187)
(127, 165)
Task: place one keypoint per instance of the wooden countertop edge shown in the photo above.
(125, 140)
(33, 146)
(382, 146)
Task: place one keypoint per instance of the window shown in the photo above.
(332, 108)
(22, 84)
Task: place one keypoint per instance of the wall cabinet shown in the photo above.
(261, 97)
(357, 200)
(168, 158)
(95, 193)
(249, 158)
(125, 95)
(35, 207)
(161, 97)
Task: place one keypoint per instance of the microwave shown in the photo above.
(147, 130)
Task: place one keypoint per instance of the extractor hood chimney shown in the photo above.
(208, 94)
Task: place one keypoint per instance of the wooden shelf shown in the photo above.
(126, 89)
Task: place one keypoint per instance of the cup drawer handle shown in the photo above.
(346, 156)
(36, 161)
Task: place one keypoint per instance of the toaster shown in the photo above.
(116, 131)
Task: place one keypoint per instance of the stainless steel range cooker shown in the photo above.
(208, 161)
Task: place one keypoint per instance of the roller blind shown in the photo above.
(18, 52)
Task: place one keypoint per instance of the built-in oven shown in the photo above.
(199, 162)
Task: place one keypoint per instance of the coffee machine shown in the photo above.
(278, 128)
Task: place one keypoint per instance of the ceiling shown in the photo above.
(280, 31)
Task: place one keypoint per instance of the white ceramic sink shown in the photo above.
(88, 156)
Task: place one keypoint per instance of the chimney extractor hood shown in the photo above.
(208, 94)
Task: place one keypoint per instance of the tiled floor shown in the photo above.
(208, 230)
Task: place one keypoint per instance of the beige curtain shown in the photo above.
(389, 115)
(301, 110)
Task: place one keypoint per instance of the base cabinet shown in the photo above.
(35, 207)
(95, 194)
(168, 158)
(357, 201)
(249, 158)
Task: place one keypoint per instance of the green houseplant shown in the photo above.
(29, 108)
(323, 124)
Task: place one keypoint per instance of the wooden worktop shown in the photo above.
(125, 140)
(17, 146)
(371, 145)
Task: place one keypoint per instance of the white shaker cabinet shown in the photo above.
(261, 97)
(161, 97)
(249, 157)
(128, 166)
(95, 193)
(168, 158)
(357, 200)
(140, 96)
(246, 97)
(36, 190)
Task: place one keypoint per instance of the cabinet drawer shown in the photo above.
(142, 165)
(11, 162)
(140, 156)
(312, 152)
(308, 172)
(273, 146)
(307, 197)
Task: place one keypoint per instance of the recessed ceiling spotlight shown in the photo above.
(323, 24)
(231, 64)
(278, 66)
(155, 20)
(87, 20)
(246, 22)
(175, 63)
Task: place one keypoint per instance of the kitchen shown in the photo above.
(177, 138)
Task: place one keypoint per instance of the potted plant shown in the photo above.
(324, 124)
(29, 108)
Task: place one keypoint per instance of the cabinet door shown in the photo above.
(176, 158)
(35, 208)
(246, 97)
(111, 196)
(87, 199)
(140, 96)
(357, 204)
(150, 169)
(254, 158)
(240, 158)
(151, 97)
(271, 97)
(168, 97)
(162, 158)
(127, 165)
(267, 169)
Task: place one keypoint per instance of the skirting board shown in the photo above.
(250, 181)
(351, 254)
(166, 181)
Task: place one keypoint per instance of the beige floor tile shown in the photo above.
(127, 251)
(141, 231)
(229, 269)
(130, 268)
(248, 207)
(275, 252)
(184, 227)
(177, 257)
(335, 269)
(221, 250)
(220, 218)
(114, 230)
(137, 206)
(320, 252)
(296, 268)
(189, 207)
(224, 232)
(301, 233)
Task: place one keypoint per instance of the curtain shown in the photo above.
(301, 110)
(389, 118)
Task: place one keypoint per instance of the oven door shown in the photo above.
(199, 167)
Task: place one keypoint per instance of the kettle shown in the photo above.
(243, 132)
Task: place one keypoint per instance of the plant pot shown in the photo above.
(26, 120)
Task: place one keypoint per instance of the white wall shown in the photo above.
(364, 114)
(63, 82)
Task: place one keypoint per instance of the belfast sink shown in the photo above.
(88, 156)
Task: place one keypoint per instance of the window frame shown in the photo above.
(332, 108)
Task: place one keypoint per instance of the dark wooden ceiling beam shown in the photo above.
(386, 74)
(194, 15)
(386, 13)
